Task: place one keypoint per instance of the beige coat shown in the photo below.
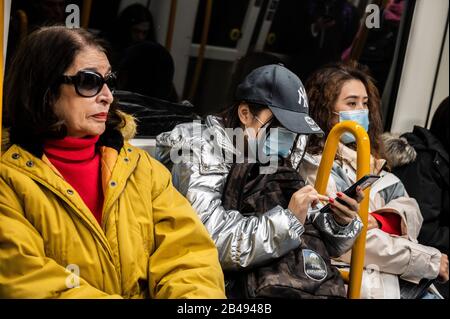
(387, 256)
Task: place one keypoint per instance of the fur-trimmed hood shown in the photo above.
(401, 150)
(128, 130)
(398, 151)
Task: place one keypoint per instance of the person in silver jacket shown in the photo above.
(200, 156)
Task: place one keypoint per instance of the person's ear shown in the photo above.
(245, 116)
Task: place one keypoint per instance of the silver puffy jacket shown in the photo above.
(199, 173)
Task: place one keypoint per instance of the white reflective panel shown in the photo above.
(147, 144)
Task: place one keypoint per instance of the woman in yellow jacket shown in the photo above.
(83, 214)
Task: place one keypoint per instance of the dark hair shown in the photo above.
(130, 16)
(32, 85)
(147, 68)
(323, 89)
(230, 116)
(439, 125)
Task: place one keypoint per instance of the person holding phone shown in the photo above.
(270, 99)
(361, 185)
(340, 92)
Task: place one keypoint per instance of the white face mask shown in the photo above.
(359, 116)
(279, 142)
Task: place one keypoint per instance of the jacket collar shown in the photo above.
(349, 157)
(116, 170)
(117, 167)
(37, 169)
(429, 142)
(222, 139)
(190, 135)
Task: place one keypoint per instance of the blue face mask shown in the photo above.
(279, 144)
(359, 116)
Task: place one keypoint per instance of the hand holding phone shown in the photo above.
(363, 183)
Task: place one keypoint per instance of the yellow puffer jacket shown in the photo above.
(150, 243)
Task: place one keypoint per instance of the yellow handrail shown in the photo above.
(363, 168)
(171, 24)
(201, 50)
(86, 13)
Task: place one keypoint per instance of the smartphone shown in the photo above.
(363, 182)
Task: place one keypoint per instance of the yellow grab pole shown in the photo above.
(363, 168)
(86, 13)
(2, 21)
(171, 24)
(201, 50)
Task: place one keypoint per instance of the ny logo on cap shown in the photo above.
(302, 97)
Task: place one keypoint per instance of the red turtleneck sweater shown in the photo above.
(79, 163)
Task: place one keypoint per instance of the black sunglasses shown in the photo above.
(89, 83)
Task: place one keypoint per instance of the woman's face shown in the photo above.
(85, 116)
(353, 96)
(139, 32)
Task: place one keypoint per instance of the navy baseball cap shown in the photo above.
(282, 91)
